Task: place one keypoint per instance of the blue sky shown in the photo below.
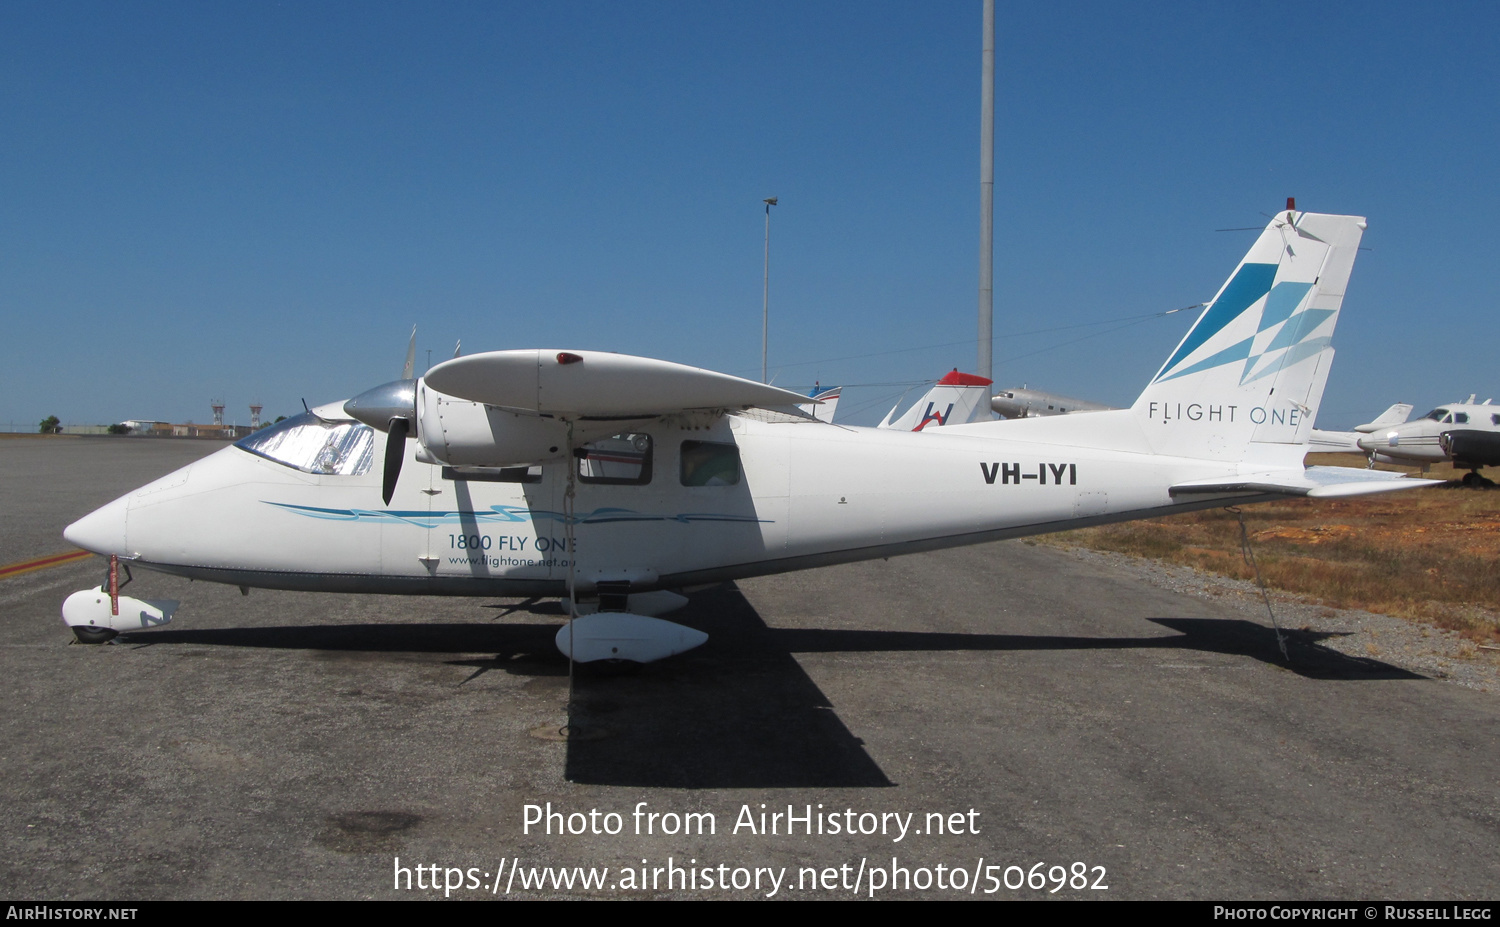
(257, 201)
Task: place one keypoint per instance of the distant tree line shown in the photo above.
(52, 425)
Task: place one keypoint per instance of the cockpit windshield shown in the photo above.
(312, 445)
(1436, 415)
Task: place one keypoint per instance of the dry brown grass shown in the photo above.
(1430, 555)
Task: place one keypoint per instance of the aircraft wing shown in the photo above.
(1317, 482)
(596, 384)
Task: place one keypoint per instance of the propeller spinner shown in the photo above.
(391, 408)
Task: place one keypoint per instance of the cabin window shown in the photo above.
(622, 460)
(708, 464)
(1495, 419)
(494, 474)
(313, 445)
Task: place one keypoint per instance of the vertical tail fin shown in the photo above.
(1395, 415)
(1246, 381)
(956, 399)
(824, 403)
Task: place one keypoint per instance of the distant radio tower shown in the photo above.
(218, 405)
(255, 408)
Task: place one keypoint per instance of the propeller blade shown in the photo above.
(411, 355)
(395, 454)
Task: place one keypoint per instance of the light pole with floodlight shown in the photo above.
(765, 308)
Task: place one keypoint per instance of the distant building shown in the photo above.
(152, 429)
(224, 432)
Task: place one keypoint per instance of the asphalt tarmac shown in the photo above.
(1007, 705)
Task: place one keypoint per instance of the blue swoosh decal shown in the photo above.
(508, 514)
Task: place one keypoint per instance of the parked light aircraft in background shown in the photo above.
(825, 402)
(613, 479)
(1026, 403)
(1467, 433)
(1029, 403)
(1347, 442)
(956, 399)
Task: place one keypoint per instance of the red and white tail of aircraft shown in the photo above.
(956, 399)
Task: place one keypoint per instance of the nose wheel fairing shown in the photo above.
(96, 618)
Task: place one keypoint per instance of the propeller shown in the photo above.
(395, 453)
(391, 408)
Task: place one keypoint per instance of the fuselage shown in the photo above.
(677, 502)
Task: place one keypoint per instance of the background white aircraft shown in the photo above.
(608, 478)
(1020, 402)
(1333, 442)
(1467, 433)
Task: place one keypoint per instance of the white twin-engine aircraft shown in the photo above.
(1466, 433)
(614, 480)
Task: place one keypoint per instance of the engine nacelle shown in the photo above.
(462, 433)
(1469, 447)
(472, 434)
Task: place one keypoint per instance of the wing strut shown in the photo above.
(1249, 556)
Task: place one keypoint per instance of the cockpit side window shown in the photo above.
(312, 445)
(707, 464)
(1436, 415)
(1460, 418)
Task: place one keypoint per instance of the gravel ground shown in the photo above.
(1417, 647)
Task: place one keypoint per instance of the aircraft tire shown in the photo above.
(93, 635)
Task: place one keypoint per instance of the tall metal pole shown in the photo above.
(765, 317)
(987, 198)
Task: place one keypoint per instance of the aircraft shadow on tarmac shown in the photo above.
(1307, 657)
(740, 712)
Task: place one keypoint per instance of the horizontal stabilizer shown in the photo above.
(595, 384)
(1317, 482)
